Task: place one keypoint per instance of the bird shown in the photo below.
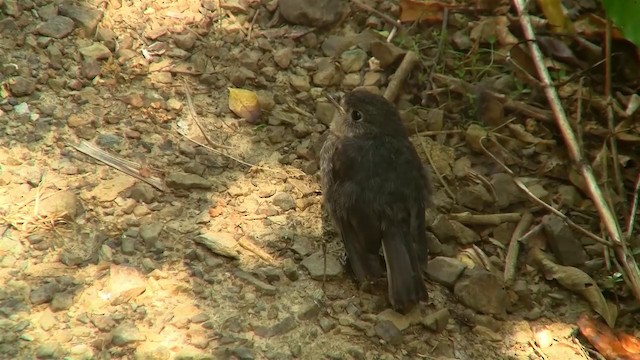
(376, 190)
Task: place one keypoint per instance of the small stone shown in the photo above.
(353, 60)
(315, 265)
(150, 233)
(313, 13)
(475, 197)
(199, 318)
(283, 57)
(185, 41)
(290, 269)
(128, 245)
(43, 294)
(21, 86)
(325, 112)
(300, 82)
(152, 351)
(61, 301)
(287, 324)
(58, 27)
(142, 192)
(85, 17)
(328, 74)
(62, 204)
(284, 201)
(126, 333)
(481, 291)
(186, 181)
(388, 332)
(437, 321)
(96, 51)
(445, 270)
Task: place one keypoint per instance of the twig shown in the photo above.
(246, 243)
(535, 199)
(634, 210)
(511, 259)
(386, 18)
(194, 116)
(408, 62)
(439, 132)
(127, 167)
(435, 170)
(441, 42)
(631, 270)
(613, 144)
(485, 219)
(253, 22)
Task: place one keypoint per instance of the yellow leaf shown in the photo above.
(558, 20)
(244, 103)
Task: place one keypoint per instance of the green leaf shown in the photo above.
(626, 16)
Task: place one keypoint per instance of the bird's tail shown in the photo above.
(404, 271)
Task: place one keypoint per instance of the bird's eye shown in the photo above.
(356, 115)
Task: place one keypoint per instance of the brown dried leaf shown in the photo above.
(244, 103)
(558, 50)
(523, 65)
(415, 10)
(521, 134)
(579, 282)
(490, 29)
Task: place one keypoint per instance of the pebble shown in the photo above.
(283, 57)
(22, 86)
(184, 181)
(315, 265)
(126, 333)
(284, 201)
(57, 27)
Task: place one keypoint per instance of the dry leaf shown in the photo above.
(521, 134)
(415, 10)
(609, 345)
(558, 50)
(577, 281)
(244, 103)
(492, 29)
(559, 22)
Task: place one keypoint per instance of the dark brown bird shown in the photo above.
(376, 190)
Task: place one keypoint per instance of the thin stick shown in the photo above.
(408, 62)
(435, 170)
(386, 18)
(631, 270)
(253, 22)
(485, 219)
(194, 116)
(511, 259)
(634, 209)
(613, 144)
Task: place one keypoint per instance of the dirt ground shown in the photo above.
(227, 261)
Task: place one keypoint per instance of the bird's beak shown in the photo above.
(335, 103)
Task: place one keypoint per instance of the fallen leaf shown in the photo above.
(244, 103)
(558, 49)
(604, 340)
(577, 281)
(415, 10)
(559, 22)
